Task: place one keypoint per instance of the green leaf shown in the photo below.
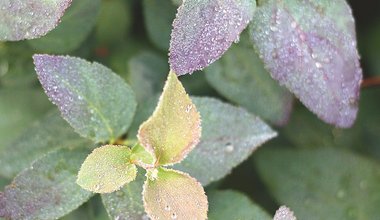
(20, 20)
(46, 190)
(74, 28)
(147, 74)
(127, 203)
(174, 195)
(310, 47)
(229, 136)
(142, 157)
(231, 205)
(46, 135)
(107, 169)
(323, 183)
(284, 213)
(19, 108)
(240, 76)
(174, 128)
(306, 131)
(114, 21)
(96, 102)
(159, 16)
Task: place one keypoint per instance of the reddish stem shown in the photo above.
(370, 82)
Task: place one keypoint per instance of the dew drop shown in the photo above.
(318, 65)
(229, 148)
(167, 208)
(188, 108)
(174, 215)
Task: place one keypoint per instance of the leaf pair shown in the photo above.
(166, 138)
(309, 47)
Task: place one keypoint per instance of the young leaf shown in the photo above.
(313, 53)
(175, 126)
(284, 213)
(74, 28)
(127, 203)
(229, 136)
(107, 169)
(174, 195)
(142, 157)
(240, 76)
(204, 29)
(97, 103)
(228, 205)
(20, 19)
(324, 183)
(46, 190)
(44, 136)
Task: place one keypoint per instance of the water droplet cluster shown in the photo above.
(312, 56)
(204, 30)
(21, 19)
(284, 213)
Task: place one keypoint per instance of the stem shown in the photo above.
(370, 82)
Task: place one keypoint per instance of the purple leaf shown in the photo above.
(29, 19)
(313, 53)
(204, 29)
(96, 102)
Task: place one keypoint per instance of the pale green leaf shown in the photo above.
(174, 128)
(229, 136)
(107, 169)
(74, 28)
(174, 195)
(46, 135)
(240, 76)
(46, 190)
(231, 205)
(96, 102)
(20, 19)
(127, 203)
(142, 157)
(324, 183)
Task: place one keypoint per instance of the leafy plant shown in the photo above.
(153, 155)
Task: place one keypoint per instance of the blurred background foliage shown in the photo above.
(316, 169)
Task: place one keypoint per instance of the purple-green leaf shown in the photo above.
(313, 53)
(96, 102)
(21, 19)
(204, 29)
(174, 195)
(46, 190)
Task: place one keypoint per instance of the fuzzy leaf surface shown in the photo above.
(127, 203)
(43, 136)
(228, 204)
(75, 26)
(313, 53)
(240, 76)
(204, 29)
(174, 195)
(174, 129)
(96, 102)
(107, 169)
(324, 183)
(284, 213)
(20, 19)
(229, 136)
(46, 190)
